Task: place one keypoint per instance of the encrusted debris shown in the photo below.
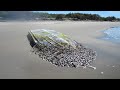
(60, 50)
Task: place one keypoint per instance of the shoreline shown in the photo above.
(18, 62)
(55, 21)
(110, 36)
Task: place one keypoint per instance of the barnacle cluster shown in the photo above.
(61, 52)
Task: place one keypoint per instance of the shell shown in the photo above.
(59, 49)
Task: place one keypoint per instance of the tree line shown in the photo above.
(29, 15)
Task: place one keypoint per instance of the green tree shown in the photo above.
(59, 17)
(111, 18)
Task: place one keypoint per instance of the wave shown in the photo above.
(112, 34)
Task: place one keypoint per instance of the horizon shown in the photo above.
(101, 13)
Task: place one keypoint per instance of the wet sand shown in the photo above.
(16, 60)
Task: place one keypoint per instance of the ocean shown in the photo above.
(112, 34)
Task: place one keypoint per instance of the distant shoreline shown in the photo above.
(54, 21)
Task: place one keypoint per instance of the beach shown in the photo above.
(17, 62)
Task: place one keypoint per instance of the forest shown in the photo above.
(29, 15)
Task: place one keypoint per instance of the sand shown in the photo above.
(17, 62)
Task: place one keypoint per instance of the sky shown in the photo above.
(101, 13)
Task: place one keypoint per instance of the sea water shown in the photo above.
(112, 34)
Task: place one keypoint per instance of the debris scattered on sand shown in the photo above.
(102, 72)
(113, 66)
(60, 50)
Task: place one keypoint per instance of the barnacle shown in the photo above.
(59, 49)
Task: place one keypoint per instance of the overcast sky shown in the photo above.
(101, 13)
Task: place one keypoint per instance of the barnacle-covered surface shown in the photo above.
(59, 49)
